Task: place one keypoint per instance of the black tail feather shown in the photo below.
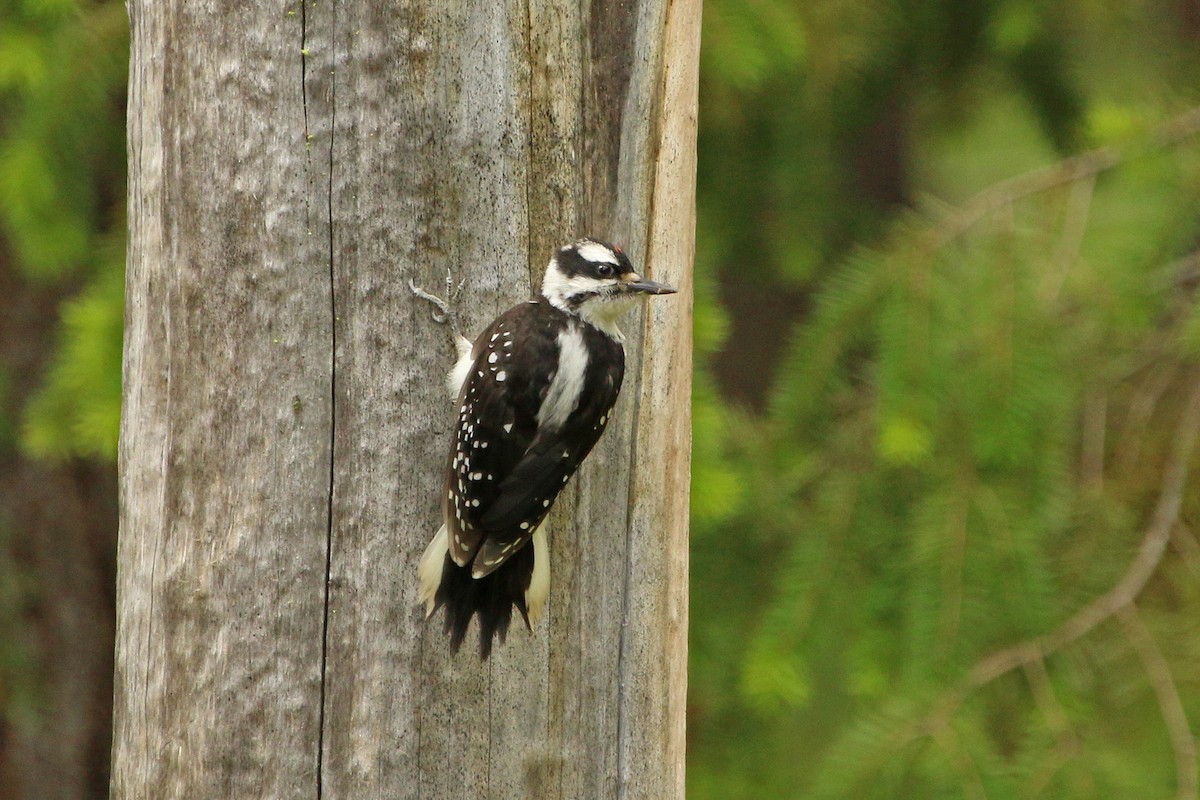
(491, 598)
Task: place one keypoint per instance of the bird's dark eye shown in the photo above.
(604, 270)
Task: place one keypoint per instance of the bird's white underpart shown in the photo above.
(458, 373)
(558, 287)
(605, 310)
(601, 309)
(567, 385)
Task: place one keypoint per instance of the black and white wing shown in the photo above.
(537, 397)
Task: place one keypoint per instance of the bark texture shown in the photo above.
(285, 421)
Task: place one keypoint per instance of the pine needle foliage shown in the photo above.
(962, 400)
(63, 67)
(946, 572)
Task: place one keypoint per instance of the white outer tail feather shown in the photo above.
(539, 584)
(429, 573)
(429, 570)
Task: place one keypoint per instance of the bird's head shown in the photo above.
(595, 281)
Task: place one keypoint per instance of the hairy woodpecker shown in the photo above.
(534, 393)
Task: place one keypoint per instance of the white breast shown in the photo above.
(567, 384)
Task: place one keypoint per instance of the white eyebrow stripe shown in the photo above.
(597, 254)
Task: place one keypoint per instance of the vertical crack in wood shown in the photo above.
(333, 327)
(321, 713)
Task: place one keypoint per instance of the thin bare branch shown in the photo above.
(1141, 410)
(1030, 654)
(1081, 167)
(1121, 595)
(1188, 547)
(1158, 671)
(1091, 457)
(960, 760)
(1166, 513)
(1079, 206)
(953, 561)
(1067, 743)
(1052, 710)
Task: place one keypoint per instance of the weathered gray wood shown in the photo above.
(301, 190)
(225, 449)
(654, 667)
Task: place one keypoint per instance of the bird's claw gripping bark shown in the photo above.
(444, 309)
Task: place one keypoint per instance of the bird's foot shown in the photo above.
(444, 309)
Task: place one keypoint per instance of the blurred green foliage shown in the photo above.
(968, 431)
(63, 66)
(62, 151)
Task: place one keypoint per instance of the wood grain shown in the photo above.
(285, 424)
(225, 449)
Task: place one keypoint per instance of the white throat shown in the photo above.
(600, 311)
(605, 312)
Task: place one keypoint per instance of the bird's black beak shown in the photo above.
(640, 285)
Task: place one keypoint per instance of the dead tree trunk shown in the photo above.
(285, 423)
